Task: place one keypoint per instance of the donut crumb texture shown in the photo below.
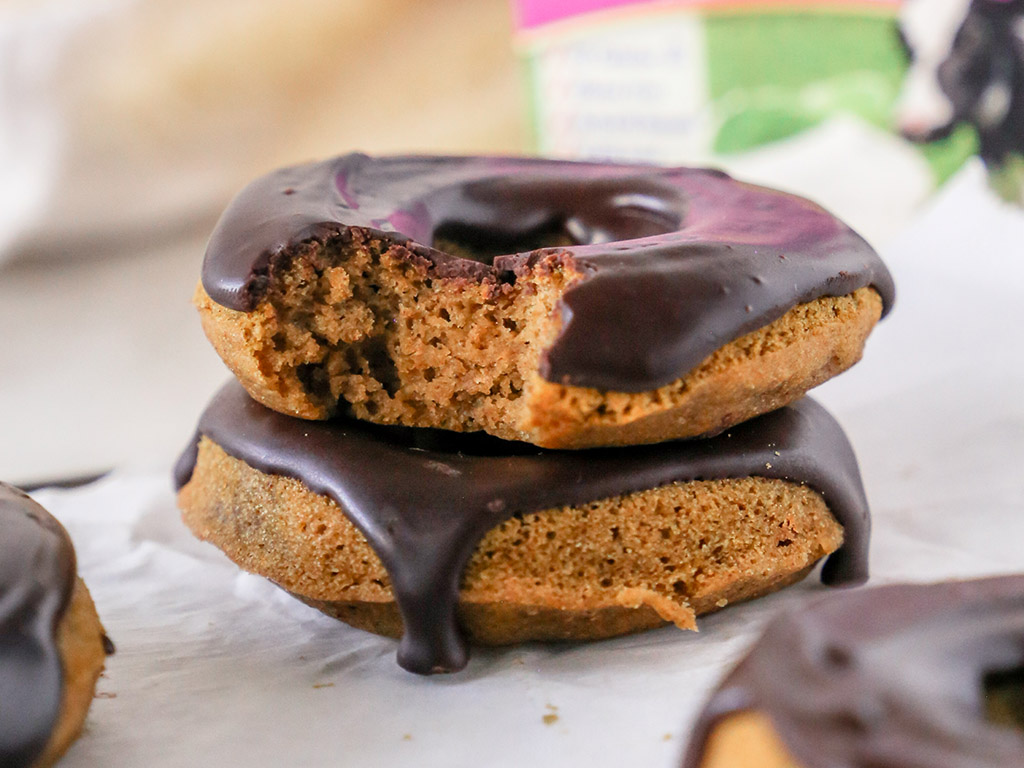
(363, 326)
(614, 566)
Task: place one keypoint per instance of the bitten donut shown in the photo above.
(569, 305)
(437, 537)
(906, 676)
(52, 645)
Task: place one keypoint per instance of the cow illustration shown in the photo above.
(967, 66)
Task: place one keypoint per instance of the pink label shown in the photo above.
(537, 13)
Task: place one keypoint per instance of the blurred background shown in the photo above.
(127, 125)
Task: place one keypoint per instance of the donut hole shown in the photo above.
(1004, 697)
(496, 217)
(623, 217)
(484, 244)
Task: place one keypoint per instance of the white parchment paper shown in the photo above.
(217, 667)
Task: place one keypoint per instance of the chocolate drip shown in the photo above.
(884, 677)
(677, 261)
(37, 572)
(425, 498)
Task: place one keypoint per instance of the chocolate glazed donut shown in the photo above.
(424, 499)
(52, 645)
(677, 248)
(662, 267)
(894, 677)
(37, 575)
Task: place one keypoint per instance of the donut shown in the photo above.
(443, 538)
(52, 646)
(922, 676)
(565, 304)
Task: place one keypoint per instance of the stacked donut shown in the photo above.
(498, 400)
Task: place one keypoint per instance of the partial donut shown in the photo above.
(438, 537)
(907, 676)
(564, 304)
(52, 645)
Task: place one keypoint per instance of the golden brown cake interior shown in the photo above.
(616, 565)
(364, 327)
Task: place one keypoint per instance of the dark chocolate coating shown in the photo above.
(37, 573)
(677, 261)
(884, 677)
(425, 498)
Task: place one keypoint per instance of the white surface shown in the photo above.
(216, 667)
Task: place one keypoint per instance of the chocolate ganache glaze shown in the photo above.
(884, 677)
(425, 498)
(677, 261)
(37, 573)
